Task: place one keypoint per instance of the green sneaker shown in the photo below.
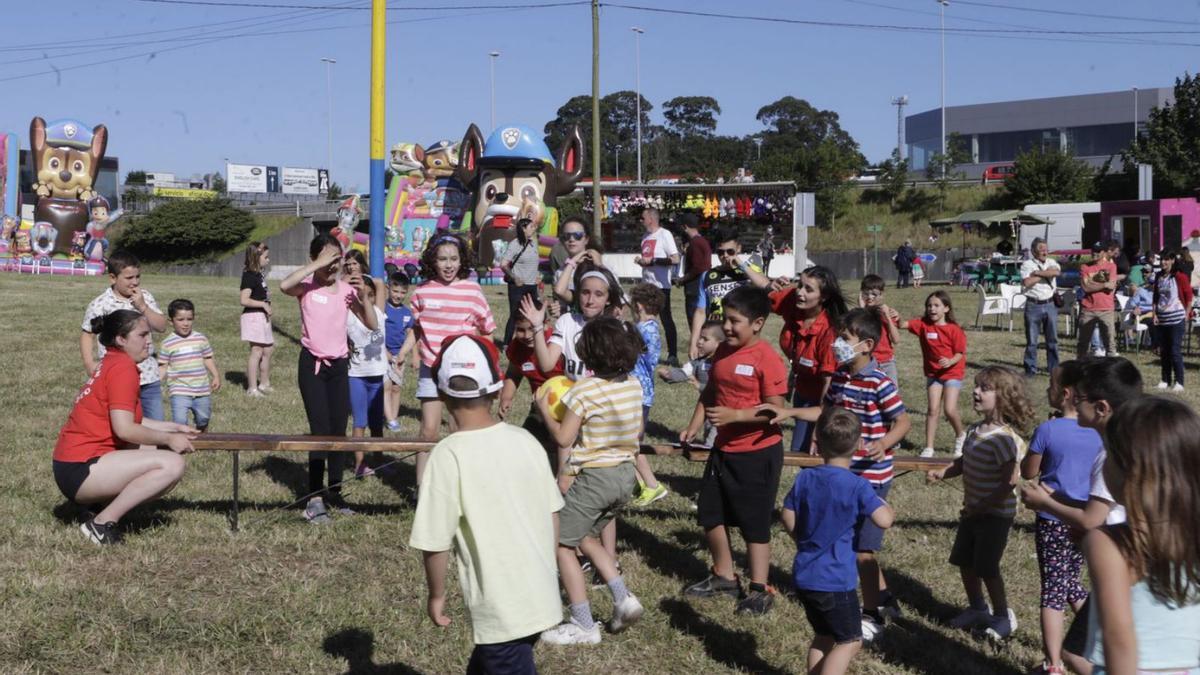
(650, 495)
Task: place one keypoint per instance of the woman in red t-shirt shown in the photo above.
(944, 352)
(107, 417)
(810, 311)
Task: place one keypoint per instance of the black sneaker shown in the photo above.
(103, 534)
(758, 601)
(713, 585)
(890, 609)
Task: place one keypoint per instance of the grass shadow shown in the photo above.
(661, 432)
(666, 559)
(237, 378)
(285, 335)
(402, 478)
(357, 646)
(290, 474)
(929, 651)
(734, 649)
(684, 486)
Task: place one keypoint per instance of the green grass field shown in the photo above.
(185, 595)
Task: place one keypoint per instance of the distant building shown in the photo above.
(1094, 127)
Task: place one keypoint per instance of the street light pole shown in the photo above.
(1135, 114)
(637, 78)
(492, 63)
(329, 94)
(942, 11)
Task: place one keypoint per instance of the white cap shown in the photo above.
(472, 357)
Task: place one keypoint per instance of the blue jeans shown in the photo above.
(201, 407)
(802, 433)
(1041, 319)
(152, 403)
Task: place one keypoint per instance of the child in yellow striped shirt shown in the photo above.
(604, 413)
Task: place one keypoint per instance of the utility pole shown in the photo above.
(597, 209)
(637, 86)
(942, 9)
(1135, 115)
(492, 63)
(900, 102)
(329, 94)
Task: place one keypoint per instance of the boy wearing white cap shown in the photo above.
(488, 493)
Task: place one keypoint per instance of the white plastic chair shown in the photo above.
(989, 305)
(1012, 294)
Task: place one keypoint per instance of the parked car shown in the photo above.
(998, 173)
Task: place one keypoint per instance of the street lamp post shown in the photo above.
(492, 62)
(942, 11)
(637, 79)
(329, 94)
(1135, 114)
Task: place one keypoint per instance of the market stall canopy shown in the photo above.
(989, 219)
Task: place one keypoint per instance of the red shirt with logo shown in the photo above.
(744, 377)
(88, 432)
(523, 359)
(1100, 301)
(810, 349)
(941, 341)
(885, 351)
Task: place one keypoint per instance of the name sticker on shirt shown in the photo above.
(434, 304)
(807, 363)
(931, 336)
(528, 365)
(744, 369)
(320, 299)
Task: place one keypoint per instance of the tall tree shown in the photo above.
(577, 111)
(1047, 176)
(809, 147)
(893, 175)
(692, 116)
(1171, 141)
(943, 168)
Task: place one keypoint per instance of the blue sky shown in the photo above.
(175, 103)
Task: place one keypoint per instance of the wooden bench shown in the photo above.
(238, 443)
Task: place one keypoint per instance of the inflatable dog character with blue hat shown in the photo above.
(512, 177)
(66, 160)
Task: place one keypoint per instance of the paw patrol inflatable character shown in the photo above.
(348, 215)
(43, 236)
(23, 247)
(407, 159)
(96, 246)
(441, 159)
(66, 160)
(8, 227)
(78, 240)
(512, 176)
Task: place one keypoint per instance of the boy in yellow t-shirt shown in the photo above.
(488, 493)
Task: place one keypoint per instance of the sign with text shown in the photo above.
(246, 178)
(300, 181)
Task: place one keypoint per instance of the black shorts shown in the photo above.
(979, 544)
(70, 476)
(739, 489)
(514, 656)
(836, 615)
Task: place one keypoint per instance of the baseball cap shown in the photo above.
(472, 357)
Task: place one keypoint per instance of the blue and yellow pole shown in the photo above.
(378, 53)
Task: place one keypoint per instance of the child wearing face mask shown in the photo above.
(861, 387)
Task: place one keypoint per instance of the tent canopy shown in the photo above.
(990, 219)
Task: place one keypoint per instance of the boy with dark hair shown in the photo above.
(870, 296)
(186, 364)
(746, 373)
(488, 493)
(733, 271)
(398, 321)
(821, 512)
(125, 292)
(861, 387)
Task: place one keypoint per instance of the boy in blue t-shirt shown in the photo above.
(395, 329)
(822, 512)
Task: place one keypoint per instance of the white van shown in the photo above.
(1074, 227)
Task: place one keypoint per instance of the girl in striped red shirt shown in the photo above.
(446, 303)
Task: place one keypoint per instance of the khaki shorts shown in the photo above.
(593, 500)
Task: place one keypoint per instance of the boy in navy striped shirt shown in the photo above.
(862, 388)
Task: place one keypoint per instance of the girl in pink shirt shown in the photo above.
(447, 303)
(326, 302)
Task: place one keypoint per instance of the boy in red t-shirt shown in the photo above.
(523, 365)
(746, 372)
(870, 296)
(1097, 308)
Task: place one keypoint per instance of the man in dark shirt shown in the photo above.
(735, 270)
(697, 261)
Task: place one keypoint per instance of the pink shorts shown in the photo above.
(256, 328)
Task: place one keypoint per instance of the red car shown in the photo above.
(998, 172)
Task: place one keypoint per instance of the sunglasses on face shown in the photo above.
(573, 236)
(727, 251)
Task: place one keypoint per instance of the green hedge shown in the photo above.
(187, 229)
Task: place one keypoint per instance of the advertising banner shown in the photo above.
(246, 178)
(323, 180)
(300, 181)
(184, 193)
(272, 179)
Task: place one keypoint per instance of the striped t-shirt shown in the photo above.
(611, 411)
(874, 398)
(983, 472)
(1168, 307)
(441, 310)
(184, 359)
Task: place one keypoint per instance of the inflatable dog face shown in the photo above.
(441, 159)
(407, 159)
(512, 180)
(66, 170)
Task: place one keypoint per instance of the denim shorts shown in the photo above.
(833, 614)
(868, 537)
(930, 381)
(201, 407)
(426, 387)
